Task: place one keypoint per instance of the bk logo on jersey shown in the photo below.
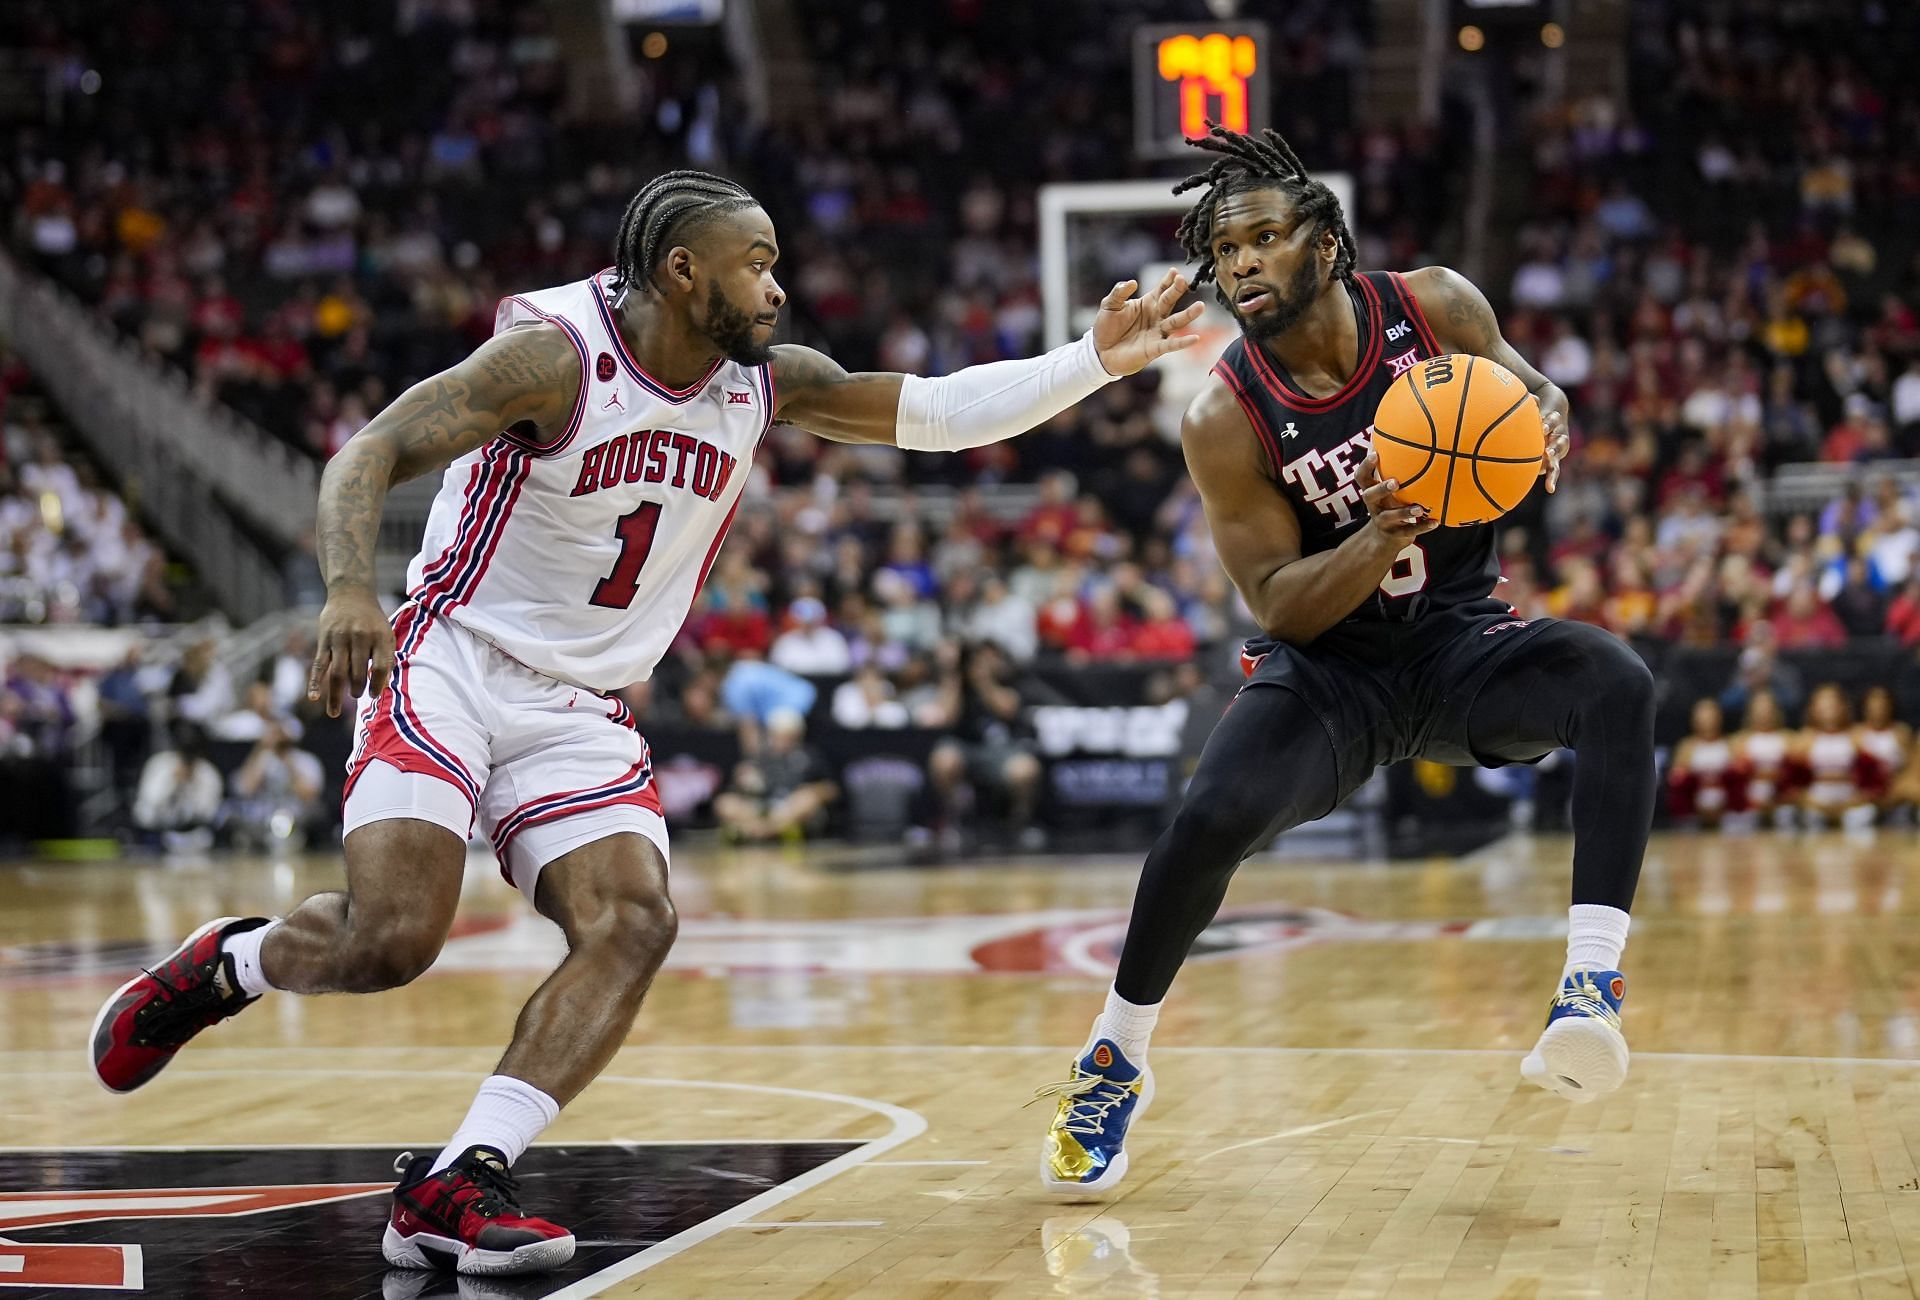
(656, 456)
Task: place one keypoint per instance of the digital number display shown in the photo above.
(1183, 75)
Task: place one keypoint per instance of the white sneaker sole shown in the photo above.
(534, 1257)
(1063, 1190)
(1579, 1057)
(100, 1016)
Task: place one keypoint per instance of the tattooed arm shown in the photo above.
(525, 380)
(1462, 321)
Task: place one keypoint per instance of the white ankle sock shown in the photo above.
(507, 1115)
(244, 948)
(1596, 936)
(1128, 1024)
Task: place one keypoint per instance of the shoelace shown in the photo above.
(178, 1011)
(499, 1189)
(1584, 998)
(1088, 1115)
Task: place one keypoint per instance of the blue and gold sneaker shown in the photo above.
(1582, 1055)
(1085, 1148)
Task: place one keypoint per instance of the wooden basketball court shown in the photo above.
(824, 1094)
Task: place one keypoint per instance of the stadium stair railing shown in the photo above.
(185, 460)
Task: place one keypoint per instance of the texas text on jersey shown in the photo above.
(1317, 445)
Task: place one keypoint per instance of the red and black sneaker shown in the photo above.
(153, 1014)
(467, 1218)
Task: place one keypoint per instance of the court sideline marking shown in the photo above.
(763, 1049)
(906, 1125)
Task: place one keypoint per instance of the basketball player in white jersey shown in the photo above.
(594, 453)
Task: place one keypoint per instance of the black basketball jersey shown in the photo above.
(1316, 445)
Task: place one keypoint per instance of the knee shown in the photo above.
(1218, 832)
(639, 927)
(1618, 683)
(392, 952)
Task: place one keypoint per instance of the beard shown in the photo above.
(731, 330)
(1290, 304)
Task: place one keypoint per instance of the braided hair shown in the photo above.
(669, 204)
(1267, 163)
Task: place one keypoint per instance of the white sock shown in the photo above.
(507, 1114)
(1596, 936)
(244, 948)
(1128, 1024)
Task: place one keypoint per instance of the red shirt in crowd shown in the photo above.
(735, 630)
(1819, 630)
(1168, 638)
(1903, 619)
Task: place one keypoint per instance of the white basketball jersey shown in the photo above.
(580, 555)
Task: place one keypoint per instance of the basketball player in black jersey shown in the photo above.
(1383, 638)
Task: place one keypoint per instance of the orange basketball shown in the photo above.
(1463, 435)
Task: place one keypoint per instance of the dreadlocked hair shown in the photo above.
(1267, 163)
(664, 206)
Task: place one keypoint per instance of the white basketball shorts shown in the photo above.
(464, 731)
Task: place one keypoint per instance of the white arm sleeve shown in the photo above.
(991, 403)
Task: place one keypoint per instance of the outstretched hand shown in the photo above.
(1129, 332)
(1555, 424)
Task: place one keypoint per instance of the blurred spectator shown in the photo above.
(201, 690)
(782, 792)
(1701, 782)
(992, 749)
(179, 792)
(809, 646)
(1760, 670)
(1001, 617)
(867, 700)
(1842, 781)
(755, 689)
(1803, 623)
(126, 717)
(255, 718)
(276, 791)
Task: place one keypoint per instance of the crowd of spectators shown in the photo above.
(188, 758)
(1722, 275)
(70, 551)
(305, 207)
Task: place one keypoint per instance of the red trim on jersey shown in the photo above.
(518, 474)
(713, 552)
(663, 391)
(1414, 314)
(766, 378)
(579, 402)
(568, 804)
(477, 520)
(1369, 359)
(386, 738)
(428, 576)
(1252, 408)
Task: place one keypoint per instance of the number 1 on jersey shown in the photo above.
(635, 531)
(1409, 571)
